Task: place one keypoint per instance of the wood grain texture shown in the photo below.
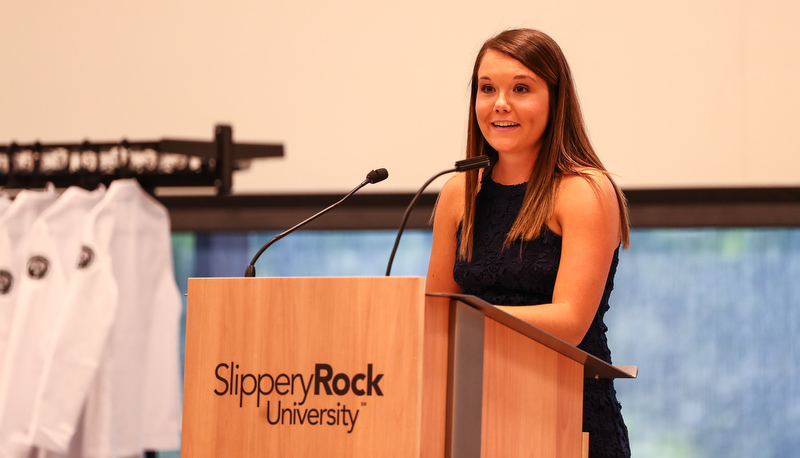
(434, 396)
(287, 326)
(532, 398)
(285, 332)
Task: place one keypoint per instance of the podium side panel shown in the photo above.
(303, 367)
(532, 398)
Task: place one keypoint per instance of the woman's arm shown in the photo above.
(587, 218)
(447, 217)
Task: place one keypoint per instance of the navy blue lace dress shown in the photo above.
(525, 274)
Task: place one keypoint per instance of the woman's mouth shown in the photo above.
(504, 124)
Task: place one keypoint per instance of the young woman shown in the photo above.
(538, 232)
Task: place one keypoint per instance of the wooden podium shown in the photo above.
(372, 367)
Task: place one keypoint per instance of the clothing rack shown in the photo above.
(160, 163)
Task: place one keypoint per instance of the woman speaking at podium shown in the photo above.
(538, 232)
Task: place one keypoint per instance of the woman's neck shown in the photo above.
(513, 169)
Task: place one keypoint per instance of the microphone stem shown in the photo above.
(250, 272)
(407, 213)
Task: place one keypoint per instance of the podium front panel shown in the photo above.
(303, 367)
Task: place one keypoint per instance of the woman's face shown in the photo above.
(512, 105)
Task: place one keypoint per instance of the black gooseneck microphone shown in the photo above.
(463, 165)
(374, 176)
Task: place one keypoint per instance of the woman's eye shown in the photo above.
(487, 88)
(521, 89)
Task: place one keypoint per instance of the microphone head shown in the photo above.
(478, 162)
(377, 175)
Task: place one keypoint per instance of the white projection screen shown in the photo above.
(697, 93)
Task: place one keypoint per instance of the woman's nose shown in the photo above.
(501, 104)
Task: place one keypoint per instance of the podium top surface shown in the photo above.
(593, 367)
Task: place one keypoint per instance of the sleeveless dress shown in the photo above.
(525, 274)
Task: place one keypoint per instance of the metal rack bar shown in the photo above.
(214, 162)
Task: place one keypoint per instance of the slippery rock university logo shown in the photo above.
(284, 396)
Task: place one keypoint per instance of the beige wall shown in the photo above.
(680, 93)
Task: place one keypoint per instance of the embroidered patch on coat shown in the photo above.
(6, 281)
(38, 267)
(86, 257)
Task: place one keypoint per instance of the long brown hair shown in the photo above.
(566, 148)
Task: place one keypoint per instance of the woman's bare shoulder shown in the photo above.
(587, 182)
(586, 198)
(453, 190)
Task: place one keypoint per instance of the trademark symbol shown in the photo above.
(363, 403)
